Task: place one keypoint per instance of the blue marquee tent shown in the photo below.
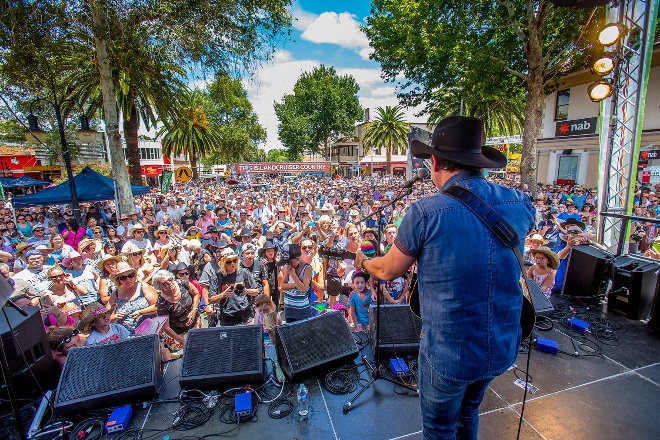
(15, 182)
(90, 187)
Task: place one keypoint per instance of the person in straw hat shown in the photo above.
(20, 263)
(106, 267)
(95, 322)
(138, 236)
(534, 241)
(544, 269)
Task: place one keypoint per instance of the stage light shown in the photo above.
(599, 90)
(603, 66)
(610, 34)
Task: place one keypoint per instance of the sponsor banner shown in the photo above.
(151, 170)
(649, 154)
(576, 126)
(165, 182)
(281, 167)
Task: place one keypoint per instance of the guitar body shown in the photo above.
(527, 314)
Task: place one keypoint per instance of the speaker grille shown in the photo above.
(220, 355)
(103, 375)
(324, 339)
(400, 329)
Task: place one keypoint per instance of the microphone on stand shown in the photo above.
(422, 174)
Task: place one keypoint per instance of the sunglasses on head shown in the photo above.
(68, 339)
(126, 277)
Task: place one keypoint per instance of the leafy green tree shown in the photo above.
(323, 108)
(147, 82)
(280, 155)
(232, 113)
(494, 48)
(189, 131)
(232, 36)
(389, 130)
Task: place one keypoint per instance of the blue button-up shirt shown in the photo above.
(468, 281)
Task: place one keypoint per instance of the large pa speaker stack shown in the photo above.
(322, 341)
(587, 274)
(109, 375)
(28, 352)
(634, 281)
(400, 330)
(219, 356)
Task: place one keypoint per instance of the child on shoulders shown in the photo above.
(544, 269)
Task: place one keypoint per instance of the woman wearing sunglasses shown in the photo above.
(63, 289)
(178, 299)
(134, 300)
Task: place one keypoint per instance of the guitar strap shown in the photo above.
(493, 221)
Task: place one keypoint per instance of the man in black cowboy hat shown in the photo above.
(467, 279)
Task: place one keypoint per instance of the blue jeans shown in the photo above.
(450, 409)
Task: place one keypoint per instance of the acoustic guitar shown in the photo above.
(527, 314)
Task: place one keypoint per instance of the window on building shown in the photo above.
(568, 168)
(561, 107)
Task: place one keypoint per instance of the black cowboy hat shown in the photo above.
(289, 252)
(267, 245)
(460, 139)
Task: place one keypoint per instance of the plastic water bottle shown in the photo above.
(303, 401)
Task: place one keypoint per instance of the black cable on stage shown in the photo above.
(543, 323)
(280, 408)
(191, 416)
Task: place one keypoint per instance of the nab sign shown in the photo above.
(575, 127)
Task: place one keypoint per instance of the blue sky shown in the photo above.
(323, 32)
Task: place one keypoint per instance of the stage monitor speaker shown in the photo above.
(322, 341)
(218, 356)
(634, 281)
(111, 374)
(587, 274)
(399, 332)
(27, 350)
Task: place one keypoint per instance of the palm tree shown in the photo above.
(389, 130)
(147, 82)
(503, 111)
(189, 131)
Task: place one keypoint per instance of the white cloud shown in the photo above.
(301, 19)
(276, 79)
(271, 82)
(341, 29)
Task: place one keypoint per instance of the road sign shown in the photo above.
(183, 174)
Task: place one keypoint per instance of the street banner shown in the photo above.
(166, 178)
(2, 192)
(281, 167)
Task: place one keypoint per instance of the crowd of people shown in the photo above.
(207, 255)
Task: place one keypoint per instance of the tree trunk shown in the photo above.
(100, 28)
(533, 106)
(193, 163)
(131, 127)
(388, 158)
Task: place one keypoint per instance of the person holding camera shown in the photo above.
(227, 288)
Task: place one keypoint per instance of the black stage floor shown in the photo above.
(610, 391)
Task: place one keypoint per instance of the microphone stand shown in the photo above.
(375, 368)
